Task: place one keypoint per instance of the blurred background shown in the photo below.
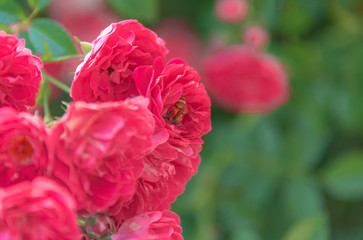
(294, 172)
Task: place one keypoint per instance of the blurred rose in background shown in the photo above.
(241, 79)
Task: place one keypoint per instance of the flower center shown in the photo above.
(21, 148)
(177, 111)
(110, 70)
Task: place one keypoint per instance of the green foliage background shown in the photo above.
(296, 173)
(293, 174)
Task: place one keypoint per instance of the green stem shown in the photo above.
(45, 100)
(57, 83)
(47, 113)
(27, 21)
(65, 58)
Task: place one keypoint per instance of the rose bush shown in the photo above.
(37, 210)
(134, 59)
(23, 147)
(20, 73)
(98, 150)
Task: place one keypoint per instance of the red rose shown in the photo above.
(151, 225)
(98, 150)
(20, 73)
(23, 147)
(83, 12)
(240, 79)
(37, 210)
(106, 74)
(181, 108)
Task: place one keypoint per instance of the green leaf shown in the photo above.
(343, 177)
(56, 37)
(5, 27)
(40, 4)
(86, 47)
(47, 54)
(44, 92)
(28, 43)
(10, 12)
(305, 194)
(146, 11)
(245, 234)
(313, 228)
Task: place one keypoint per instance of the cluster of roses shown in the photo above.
(119, 156)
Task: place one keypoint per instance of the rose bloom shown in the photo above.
(181, 108)
(85, 13)
(255, 36)
(23, 147)
(151, 225)
(20, 73)
(98, 150)
(106, 74)
(240, 79)
(37, 210)
(231, 11)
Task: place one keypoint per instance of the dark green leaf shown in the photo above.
(146, 11)
(10, 12)
(343, 177)
(57, 39)
(305, 194)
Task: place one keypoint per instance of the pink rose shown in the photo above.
(37, 210)
(23, 147)
(240, 79)
(106, 74)
(98, 150)
(181, 108)
(19, 73)
(85, 13)
(255, 36)
(231, 11)
(151, 225)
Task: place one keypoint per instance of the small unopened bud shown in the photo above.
(231, 10)
(255, 36)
